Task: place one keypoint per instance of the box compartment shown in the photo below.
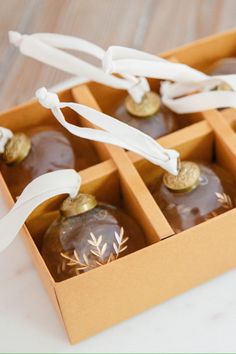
(32, 115)
(201, 146)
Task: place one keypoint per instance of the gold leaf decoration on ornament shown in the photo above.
(225, 200)
(171, 206)
(120, 247)
(98, 249)
(61, 267)
(76, 261)
(182, 209)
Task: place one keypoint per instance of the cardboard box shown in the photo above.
(170, 264)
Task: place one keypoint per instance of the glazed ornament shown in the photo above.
(39, 150)
(198, 193)
(150, 115)
(224, 66)
(87, 235)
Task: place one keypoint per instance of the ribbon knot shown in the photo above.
(139, 88)
(15, 38)
(5, 135)
(107, 62)
(47, 99)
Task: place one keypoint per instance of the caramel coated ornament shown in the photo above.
(149, 116)
(88, 235)
(223, 66)
(198, 193)
(40, 150)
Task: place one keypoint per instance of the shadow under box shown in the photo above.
(215, 193)
(51, 146)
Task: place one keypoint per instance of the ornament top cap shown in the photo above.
(187, 179)
(78, 205)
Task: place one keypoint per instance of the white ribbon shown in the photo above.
(5, 135)
(46, 47)
(187, 80)
(123, 60)
(39, 190)
(197, 102)
(114, 132)
(129, 63)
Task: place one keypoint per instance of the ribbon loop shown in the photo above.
(15, 38)
(39, 190)
(198, 97)
(113, 132)
(191, 91)
(133, 66)
(47, 48)
(47, 99)
(138, 89)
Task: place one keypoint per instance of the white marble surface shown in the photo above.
(201, 320)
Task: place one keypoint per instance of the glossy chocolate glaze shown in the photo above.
(52, 148)
(161, 123)
(214, 195)
(224, 66)
(65, 235)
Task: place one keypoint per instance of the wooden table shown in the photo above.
(152, 25)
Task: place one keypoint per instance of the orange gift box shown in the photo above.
(171, 263)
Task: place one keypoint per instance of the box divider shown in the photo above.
(225, 139)
(82, 95)
(136, 194)
(230, 115)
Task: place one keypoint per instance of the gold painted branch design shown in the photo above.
(97, 249)
(224, 200)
